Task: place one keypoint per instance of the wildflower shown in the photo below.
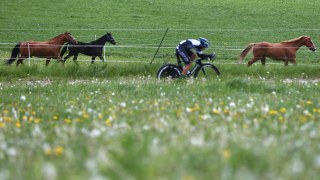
(55, 117)
(282, 110)
(58, 150)
(123, 104)
(1, 124)
(48, 152)
(67, 120)
(226, 153)
(273, 112)
(23, 98)
(309, 102)
(18, 124)
(226, 111)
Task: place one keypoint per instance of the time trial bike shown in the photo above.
(199, 71)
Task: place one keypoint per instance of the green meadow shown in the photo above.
(115, 120)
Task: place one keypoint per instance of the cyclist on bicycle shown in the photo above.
(184, 51)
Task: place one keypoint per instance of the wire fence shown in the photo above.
(145, 47)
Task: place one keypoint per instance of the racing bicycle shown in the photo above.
(200, 70)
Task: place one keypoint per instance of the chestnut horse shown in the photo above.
(284, 51)
(49, 49)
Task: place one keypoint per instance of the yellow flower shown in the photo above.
(245, 126)
(55, 117)
(67, 120)
(216, 111)
(58, 150)
(273, 112)
(282, 110)
(41, 107)
(226, 153)
(48, 152)
(226, 111)
(30, 118)
(309, 102)
(85, 115)
(1, 124)
(18, 124)
(5, 111)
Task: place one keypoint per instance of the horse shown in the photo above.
(284, 51)
(49, 49)
(93, 48)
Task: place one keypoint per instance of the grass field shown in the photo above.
(115, 120)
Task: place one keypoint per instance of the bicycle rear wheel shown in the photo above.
(169, 71)
(206, 71)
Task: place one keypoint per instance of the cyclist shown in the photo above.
(184, 51)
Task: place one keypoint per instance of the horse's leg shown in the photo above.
(20, 59)
(93, 58)
(101, 57)
(253, 60)
(67, 57)
(48, 61)
(75, 57)
(263, 60)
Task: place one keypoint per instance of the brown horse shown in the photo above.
(49, 49)
(284, 51)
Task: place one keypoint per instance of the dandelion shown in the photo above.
(226, 111)
(273, 112)
(58, 150)
(67, 120)
(226, 153)
(282, 110)
(309, 102)
(1, 124)
(48, 152)
(55, 117)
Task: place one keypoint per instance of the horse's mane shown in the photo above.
(57, 36)
(294, 40)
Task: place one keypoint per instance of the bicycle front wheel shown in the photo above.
(206, 71)
(168, 71)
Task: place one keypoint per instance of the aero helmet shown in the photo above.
(204, 41)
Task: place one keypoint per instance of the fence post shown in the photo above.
(29, 53)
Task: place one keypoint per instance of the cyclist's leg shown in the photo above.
(184, 54)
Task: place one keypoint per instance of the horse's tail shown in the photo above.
(244, 53)
(64, 49)
(14, 54)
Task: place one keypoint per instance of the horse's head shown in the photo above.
(110, 39)
(70, 38)
(310, 44)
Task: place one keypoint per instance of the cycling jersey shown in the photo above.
(184, 49)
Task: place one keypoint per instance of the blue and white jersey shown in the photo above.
(191, 44)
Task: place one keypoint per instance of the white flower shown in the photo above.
(306, 112)
(123, 104)
(23, 98)
(49, 171)
(232, 104)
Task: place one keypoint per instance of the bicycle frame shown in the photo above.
(197, 61)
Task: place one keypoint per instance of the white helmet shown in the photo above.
(204, 41)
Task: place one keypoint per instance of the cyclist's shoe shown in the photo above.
(181, 78)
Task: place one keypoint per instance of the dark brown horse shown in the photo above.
(49, 49)
(94, 48)
(284, 51)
